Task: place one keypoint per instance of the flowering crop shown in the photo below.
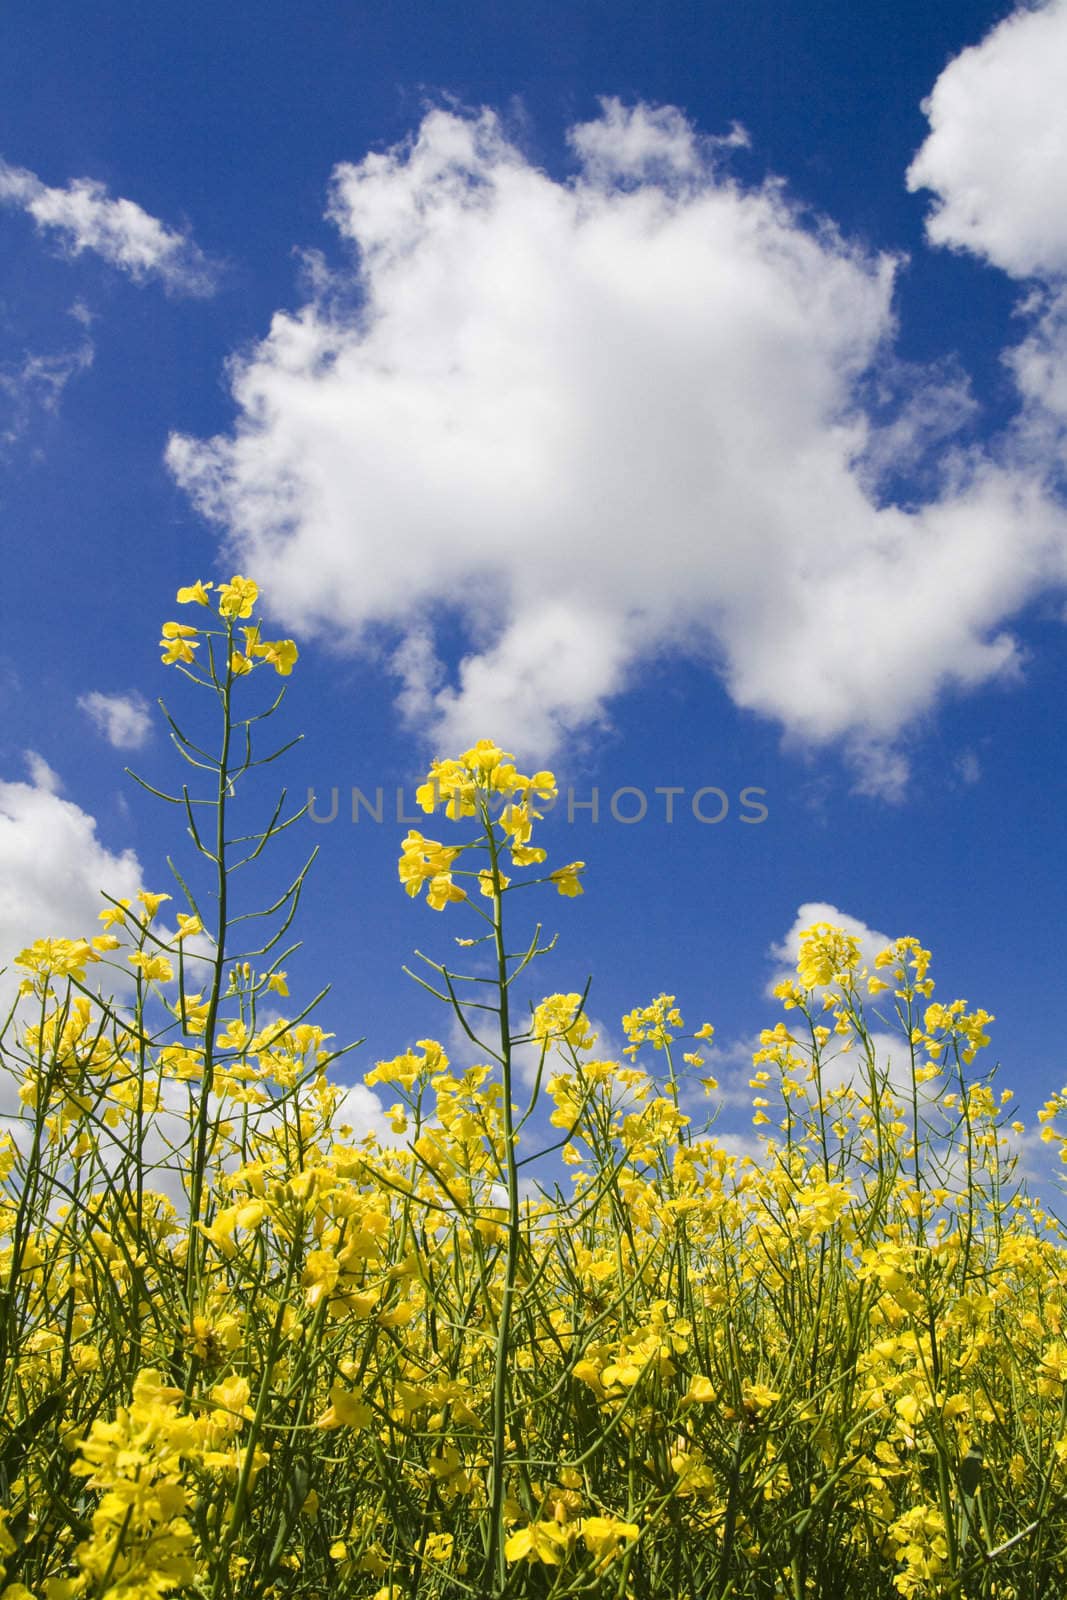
(244, 1353)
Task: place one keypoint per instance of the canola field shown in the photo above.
(548, 1335)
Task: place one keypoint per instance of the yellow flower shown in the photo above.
(212, 1336)
(560, 1016)
(65, 957)
(188, 924)
(487, 885)
(919, 1537)
(113, 914)
(237, 597)
(282, 655)
(234, 1036)
(485, 770)
(240, 665)
(221, 1230)
(827, 955)
(425, 860)
(651, 1023)
(542, 784)
(758, 1396)
(177, 650)
(406, 1068)
(527, 855)
(602, 1535)
(446, 1465)
(546, 1542)
(448, 781)
(400, 1316)
(346, 1410)
(1052, 1369)
(178, 643)
(516, 821)
(442, 891)
(157, 967)
(320, 1275)
(566, 878)
(151, 902)
(231, 1397)
(194, 591)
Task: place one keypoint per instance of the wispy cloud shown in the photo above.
(35, 383)
(123, 719)
(85, 217)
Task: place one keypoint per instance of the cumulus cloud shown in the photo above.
(601, 418)
(996, 156)
(54, 872)
(123, 719)
(645, 142)
(165, 1150)
(996, 161)
(85, 217)
(53, 867)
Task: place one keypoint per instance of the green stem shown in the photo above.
(198, 1245)
(496, 1567)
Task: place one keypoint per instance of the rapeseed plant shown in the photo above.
(244, 1353)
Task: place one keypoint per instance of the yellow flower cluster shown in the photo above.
(142, 1544)
(262, 1334)
(470, 785)
(733, 1336)
(236, 600)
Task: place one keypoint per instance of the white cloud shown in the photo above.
(600, 419)
(968, 767)
(42, 776)
(165, 1149)
(881, 770)
(996, 160)
(123, 719)
(996, 155)
(86, 218)
(52, 868)
(646, 142)
(36, 382)
(925, 406)
(1039, 366)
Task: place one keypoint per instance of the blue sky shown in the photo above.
(676, 394)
